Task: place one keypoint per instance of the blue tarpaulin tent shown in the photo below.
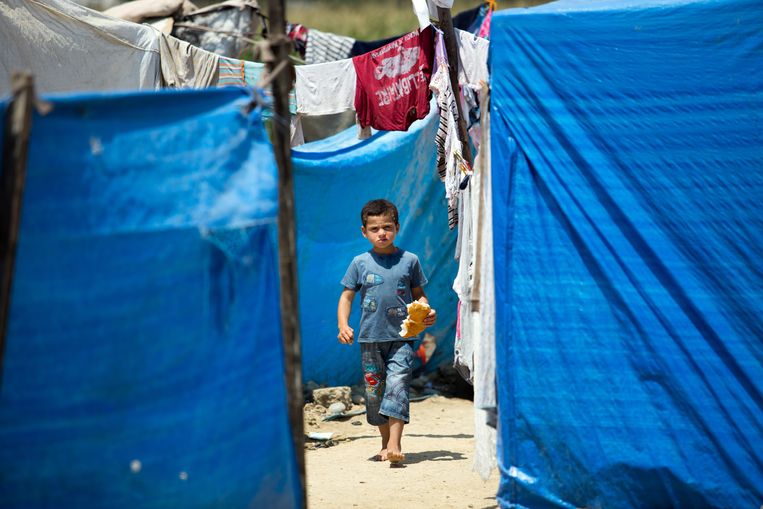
(628, 178)
(143, 365)
(333, 179)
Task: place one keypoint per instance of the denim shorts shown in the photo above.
(387, 371)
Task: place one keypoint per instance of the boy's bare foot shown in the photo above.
(395, 456)
(382, 456)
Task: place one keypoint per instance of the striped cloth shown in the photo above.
(446, 101)
(232, 72)
(327, 47)
(243, 73)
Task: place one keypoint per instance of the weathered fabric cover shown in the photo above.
(68, 47)
(143, 365)
(627, 178)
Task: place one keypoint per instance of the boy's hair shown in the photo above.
(379, 208)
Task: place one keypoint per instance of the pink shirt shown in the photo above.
(393, 82)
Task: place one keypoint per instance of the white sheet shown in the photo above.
(472, 51)
(68, 47)
(323, 89)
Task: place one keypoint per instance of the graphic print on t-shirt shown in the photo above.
(373, 279)
(396, 315)
(369, 304)
(392, 89)
(394, 66)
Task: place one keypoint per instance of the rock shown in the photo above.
(325, 397)
(357, 399)
(357, 423)
(337, 408)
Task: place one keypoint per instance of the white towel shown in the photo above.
(323, 89)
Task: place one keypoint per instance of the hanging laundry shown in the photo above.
(453, 148)
(393, 82)
(321, 90)
(363, 47)
(463, 346)
(472, 54)
(440, 85)
(483, 304)
(298, 35)
(243, 73)
(485, 28)
(318, 127)
(327, 88)
(327, 47)
(448, 146)
(472, 72)
(421, 9)
(470, 20)
(231, 73)
(186, 66)
(483, 289)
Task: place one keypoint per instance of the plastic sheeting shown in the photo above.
(333, 179)
(68, 47)
(143, 365)
(628, 177)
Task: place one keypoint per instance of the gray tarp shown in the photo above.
(69, 47)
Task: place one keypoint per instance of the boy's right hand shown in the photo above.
(346, 335)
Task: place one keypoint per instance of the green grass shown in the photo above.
(364, 20)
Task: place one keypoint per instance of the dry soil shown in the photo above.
(437, 473)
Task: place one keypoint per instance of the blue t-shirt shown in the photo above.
(385, 282)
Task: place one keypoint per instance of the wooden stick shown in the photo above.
(451, 48)
(18, 124)
(281, 85)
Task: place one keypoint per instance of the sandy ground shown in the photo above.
(437, 473)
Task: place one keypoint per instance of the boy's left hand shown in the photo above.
(431, 318)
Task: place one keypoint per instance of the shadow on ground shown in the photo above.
(417, 457)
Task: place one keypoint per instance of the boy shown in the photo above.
(388, 278)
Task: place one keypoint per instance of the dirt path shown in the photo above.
(439, 449)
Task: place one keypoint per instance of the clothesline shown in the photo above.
(316, 46)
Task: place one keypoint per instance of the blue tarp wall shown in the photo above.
(628, 181)
(143, 365)
(333, 179)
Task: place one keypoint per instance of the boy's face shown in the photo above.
(381, 232)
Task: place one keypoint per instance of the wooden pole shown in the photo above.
(282, 82)
(18, 124)
(449, 37)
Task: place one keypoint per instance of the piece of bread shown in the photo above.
(414, 323)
